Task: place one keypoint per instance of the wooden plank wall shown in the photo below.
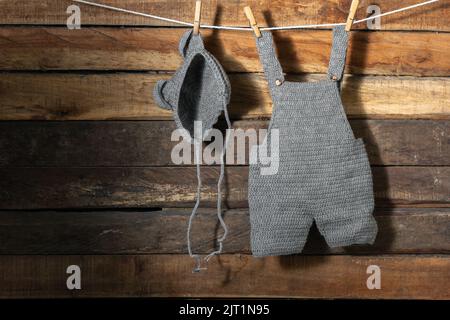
(85, 170)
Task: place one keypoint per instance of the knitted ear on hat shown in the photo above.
(198, 91)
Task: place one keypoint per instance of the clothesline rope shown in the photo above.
(305, 26)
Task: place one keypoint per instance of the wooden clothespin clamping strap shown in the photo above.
(351, 15)
(198, 13)
(251, 18)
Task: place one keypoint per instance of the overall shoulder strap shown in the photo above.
(338, 53)
(269, 60)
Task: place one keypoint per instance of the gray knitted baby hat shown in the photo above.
(198, 92)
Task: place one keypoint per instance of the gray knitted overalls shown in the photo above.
(324, 173)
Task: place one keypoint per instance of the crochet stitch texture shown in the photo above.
(198, 91)
(324, 173)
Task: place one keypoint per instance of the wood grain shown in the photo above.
(148, 143)
(418, 277)
(91, 193)
(66, 96)
(226, 12)
(57, 188)
(58, 48)
(156, 232)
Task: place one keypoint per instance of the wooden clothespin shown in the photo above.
(351, 15)
(251, 18)
(198, 14)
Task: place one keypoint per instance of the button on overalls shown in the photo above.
(324, 173)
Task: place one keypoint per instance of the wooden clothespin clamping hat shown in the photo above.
(351, 15)
(197, 17)
(251, 18)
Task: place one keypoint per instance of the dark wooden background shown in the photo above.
(85, 170)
